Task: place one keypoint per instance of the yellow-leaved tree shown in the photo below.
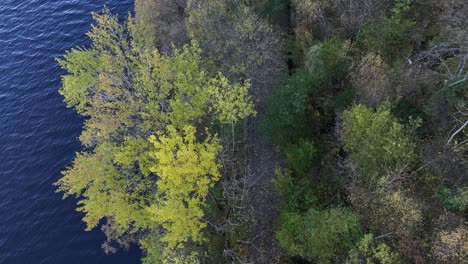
(148, 163)
(186, 170)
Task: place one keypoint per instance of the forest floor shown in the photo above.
(263, 158)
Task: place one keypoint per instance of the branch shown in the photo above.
(456, 132)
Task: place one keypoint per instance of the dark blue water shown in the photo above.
(38, 134)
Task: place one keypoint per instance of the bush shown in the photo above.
(307, 95)
(286, 118)
(296, 196)
(387, 36)
(343, 100)
(452, 246)
(327, 18)
(406, 110)
(377, 143)
(319, 236)
(446, 102)
(329, 62)
(272, 9)
(453, 200)
(372, 252)
(371, 81)
(300, 156)
(388, 211)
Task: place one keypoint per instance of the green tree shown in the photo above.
(453, 200)
(372, 251)
(329, 62)
(236, 39)
(306, 97)
(286, 117)
(320, 236)
(387, 36)
(300, 156)
(378, 144)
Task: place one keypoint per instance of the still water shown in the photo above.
(38, 134)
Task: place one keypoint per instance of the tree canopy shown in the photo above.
(150, 157)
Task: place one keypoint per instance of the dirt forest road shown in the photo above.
(263, 157)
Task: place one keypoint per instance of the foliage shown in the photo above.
(387, 36)
(400, 7)
(406, 110)
(274, 10)
(452, 246)
(453, 200)
(306, 96)
(388, 211)
(318, 235)
(371, 81)
(295, 195)
(328, 62)
(286, 117)
(232, 104)
(165, 22)
(327, 18)
(186, 170)
(343, 99)
(378, 144)
(235, 39)
(300, 156)
(448, 101)
(164, 130)
(106, 191)
(129, 91)
(372, 252)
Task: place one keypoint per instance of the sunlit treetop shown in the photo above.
(129, 92)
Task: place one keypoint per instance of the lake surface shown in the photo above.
(38, 134)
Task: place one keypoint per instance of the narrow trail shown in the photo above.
(264, 158)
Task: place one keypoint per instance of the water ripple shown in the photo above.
(38, 134)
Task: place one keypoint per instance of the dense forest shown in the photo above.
(302, 131)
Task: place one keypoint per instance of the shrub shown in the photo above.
(343, 100)
(319, 236)
(378, 144)
(286, 110)
(453, 200)
(300, 156)
(166, 22)
(371, 82)
(387, 36)
(406, 110)
(295, 195)
(388, 211)
(372, 252)
(235, 39)
(329, 62)
(452, 246)
(273, 9)
(307, 95)
(327, 18)
(445, 103)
